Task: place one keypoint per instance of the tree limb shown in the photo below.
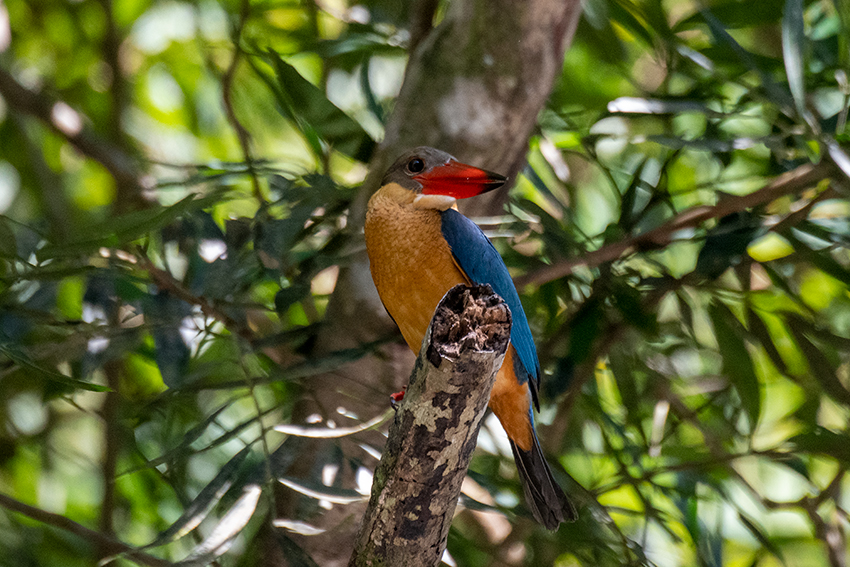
(104, 543)
(70, 124)
(796, 180)
(418, 481)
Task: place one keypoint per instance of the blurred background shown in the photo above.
(193, 357)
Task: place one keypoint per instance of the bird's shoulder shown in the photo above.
(482, 264)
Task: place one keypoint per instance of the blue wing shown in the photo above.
(483, 265)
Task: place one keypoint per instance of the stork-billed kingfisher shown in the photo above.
(419, 247)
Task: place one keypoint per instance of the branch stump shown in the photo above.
(431, 440)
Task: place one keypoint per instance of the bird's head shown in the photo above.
(437, 179)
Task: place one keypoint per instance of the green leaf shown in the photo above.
(8, 245)
(359, 40)
(120, 230)
(204, 502)
(822, 441)
(629, 214)
(735, 14)
(819, 259)
(760, 535)
(737, 364)
(218, 542)
(625, 370)
(627, 14)
(761, 333)
(557, 240)
(793, 38)
(824, 371)
(796, 464)
(777, 95)
(310, 108)
(36, 370)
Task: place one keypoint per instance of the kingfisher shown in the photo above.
(419, 247)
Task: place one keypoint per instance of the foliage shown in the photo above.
(681, 232)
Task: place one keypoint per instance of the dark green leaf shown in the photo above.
(120, 230)
(371, 101)
(726, 244)
(823, 370)
(819, 259)
(778, 95)
(289, 296)
(760, 331)
(295, 556)
(628, 302)
(584, 328)
(311, 109)
(793, 39)
(166, 314)
(36, 370)
(761, 536)
(822, 441)
(737, 364)
(735, 14)
(8, 245)
(204, 502)
(625, 370)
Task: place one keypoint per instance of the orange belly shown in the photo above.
(413, 268)
(510, 401)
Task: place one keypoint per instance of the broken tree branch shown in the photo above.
(431, 440)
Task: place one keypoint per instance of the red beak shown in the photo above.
(458, 180)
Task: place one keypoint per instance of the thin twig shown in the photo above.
(790, 182)
(103, 542)
(165, 281)
(71, 125)
(111, 447)
(227, 100)
(421, 21)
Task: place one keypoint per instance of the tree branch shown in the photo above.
(165, 281)
(70, 124)
(421, 21)
(227, 79)
(104, 543)
(796, 180)
(418, 480)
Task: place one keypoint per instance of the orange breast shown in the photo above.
(411, 263)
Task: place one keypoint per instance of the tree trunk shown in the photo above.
(473, 87)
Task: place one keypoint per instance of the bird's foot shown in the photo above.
(396, 398)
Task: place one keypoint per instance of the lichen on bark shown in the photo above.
(434, 432)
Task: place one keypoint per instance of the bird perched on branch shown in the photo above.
(420, 247)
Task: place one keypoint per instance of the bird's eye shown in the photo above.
(415, 165)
